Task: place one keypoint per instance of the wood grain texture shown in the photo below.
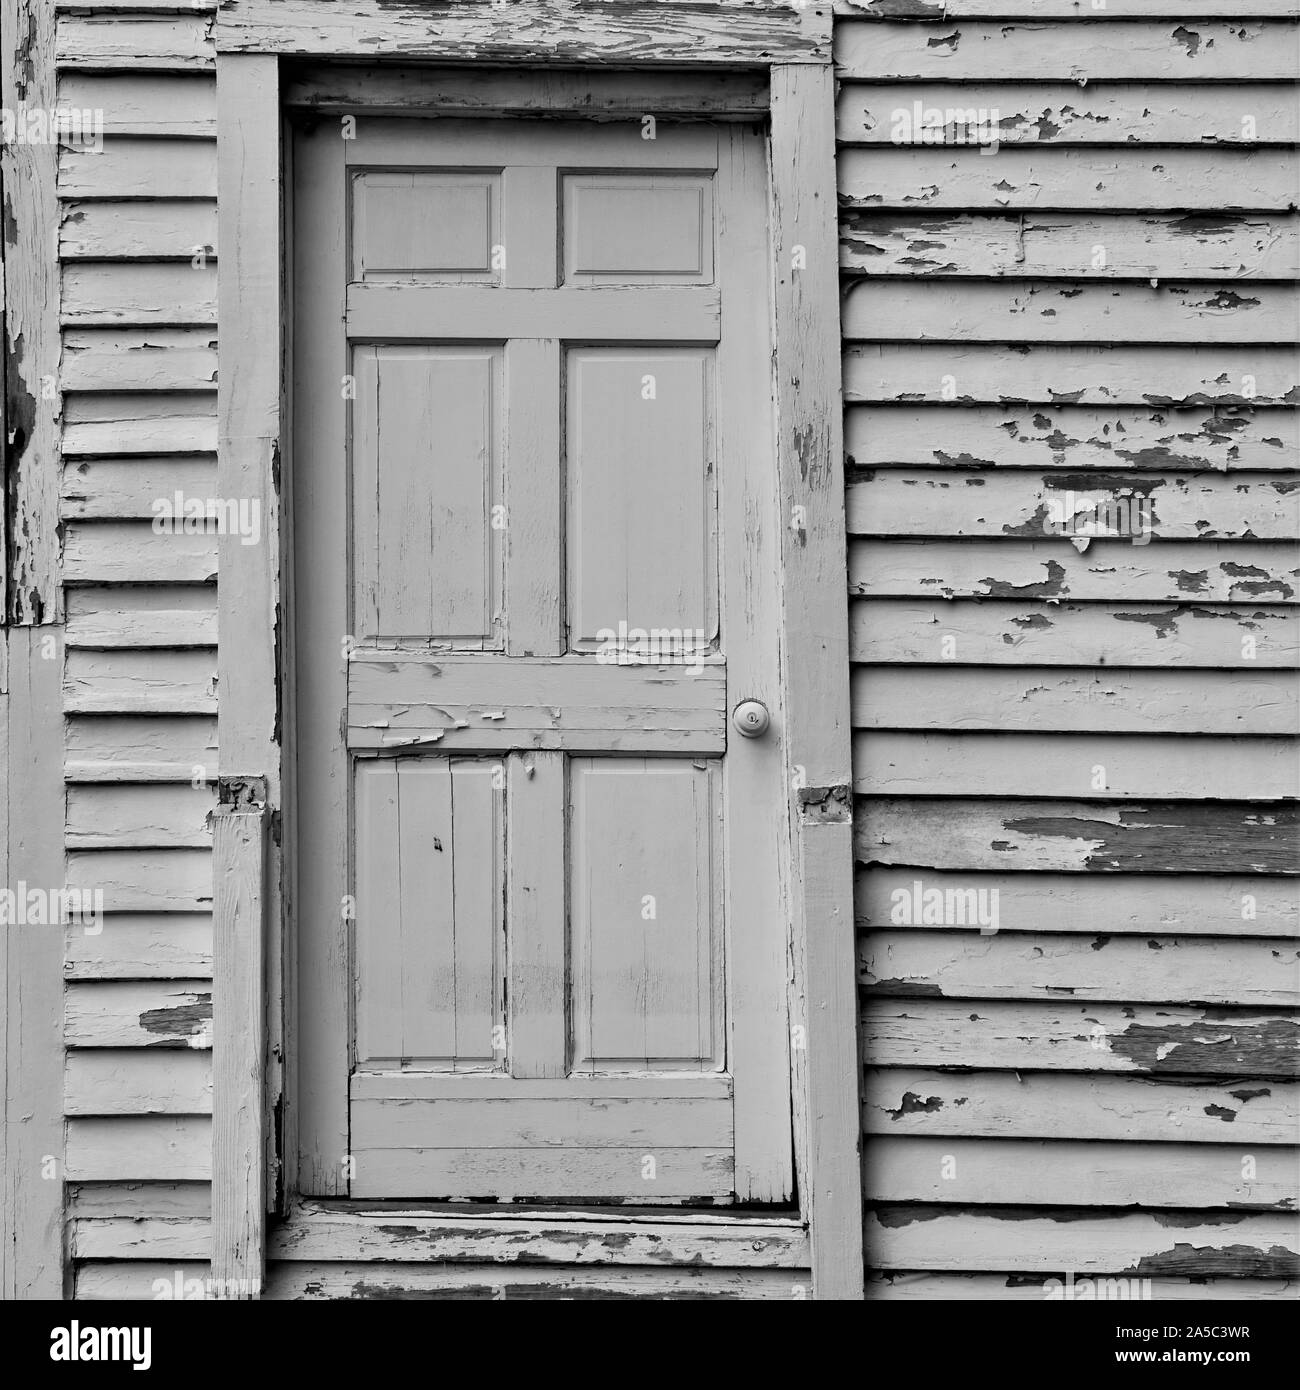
(139, 1148)
(1083, 837)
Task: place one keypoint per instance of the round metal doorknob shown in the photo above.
(751, 718)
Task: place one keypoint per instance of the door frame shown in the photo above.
(733, 42)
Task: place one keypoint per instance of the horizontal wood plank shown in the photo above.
(156, 43)
(131, 293)
(154, 230)
(1101, 1173)
(1060, 245)
(1079, 837)
(1026, 1288)
(157, 1014)
(127, 681)
(132, 552)
(969, 698)
(1157, 1040)
(156, 103)
(1095, 50)
(150, 815)
(935, 762)
(1110, 570)
(140, 946)
(133, 880)
(1059, 1105)
(138, 1081)
(138, 1148)
(1229, 179)
(140, 359)
(139, 167)
(966, 964)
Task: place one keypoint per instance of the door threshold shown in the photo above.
(318, 1229)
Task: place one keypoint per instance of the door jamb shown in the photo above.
(252, 420)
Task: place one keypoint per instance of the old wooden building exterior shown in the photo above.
(1017, 1002)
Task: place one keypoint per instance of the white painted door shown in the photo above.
(539, 901)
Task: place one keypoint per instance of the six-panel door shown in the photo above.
(540, 878)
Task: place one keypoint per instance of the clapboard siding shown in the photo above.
(1103, 739)
(1082, 749)
(138, 243)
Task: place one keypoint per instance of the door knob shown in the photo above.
(751, 718)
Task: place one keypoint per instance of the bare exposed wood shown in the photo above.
(173, 1013)
(1156, 245)
(1164, 572)
(1188, 904)
(1152, 837)
(943, 11)
(1097, 1174)
(326, 1235)
(939, 763)
(1244, 701)
(29, 577)
(1169, 1040)
(1030, 633)
(1110, 113)
(1137, 1245)
(1165, 51)
(1059, 1105)
(622, 32)
(975, 964)
(1228, 179)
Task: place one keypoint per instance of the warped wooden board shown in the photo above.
(931, 1287)
(1087, 1243)
(1059, 1105)
(140, 946)
(1062, 1172)
(140, 748)
(1168, 506)
(1001, 632)
(112, 815)
(1068, 436)
(159, 43)
(1061, 245)
(968, 698)
(1111, 570)
(128, 487)
(126, 681)
(402, 1237)
(147, 230)
(1189, 317)
(1073, 836)
(1094, 50)
(293, 1279)
(170, 1013)
(132, 552)
(137, 1148)
(936, 762)
(1164, 1040)
(968, 964)
(137, 1081)
(1229, 179)
(138, 167)
(130, 292)
(1102, 904)
(155, 104)
(132, 880)
(139, 359)
(1113, 113)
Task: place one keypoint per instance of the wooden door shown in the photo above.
(539, 907)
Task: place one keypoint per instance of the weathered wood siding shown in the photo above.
(1104, 1084)
(137, 242)
(1080, 1090)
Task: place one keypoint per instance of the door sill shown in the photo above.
(323, 1230)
